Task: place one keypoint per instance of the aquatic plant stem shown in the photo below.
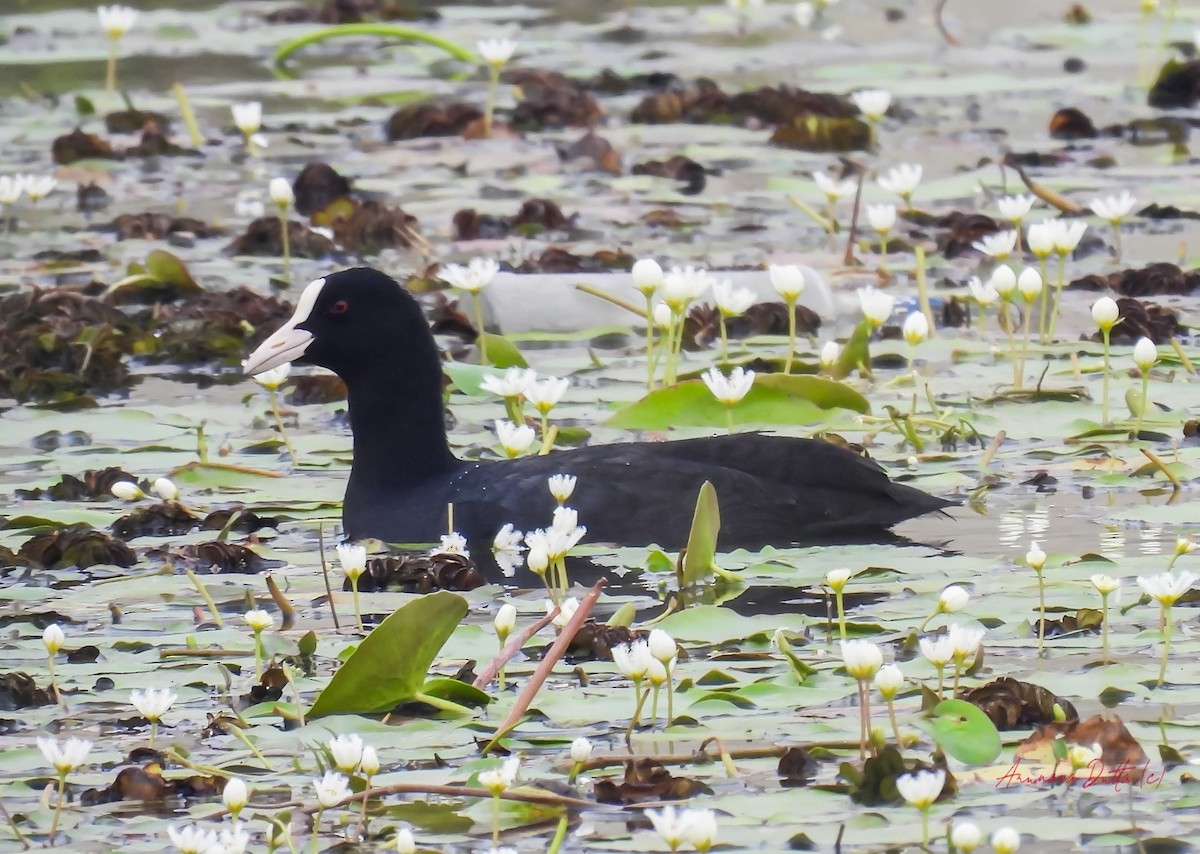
(1041, 612)
(370, 29)
(362, 815)
(1012, 345)
(13, 826)
(1166, 627)
(841, 611)
(651, 361)
(490, 106)
(285, 243)
(58, 697)
(273, 396)
(1104, 627)
(1058, 289)
(725, 338)
(62, 790)
(189, 117)
(560, 833)
(316, 833)
(941, 680)
(670, 668)
(481, 340)
(357, 609)
(729, 419)
(637, 711)
(1104, 334)
(925, 827)
(1137, 428)
(891, 707)
(258, 654)
(790, 302)
(110, 76)
(1025, 333)
(864, 718)
(207, 597)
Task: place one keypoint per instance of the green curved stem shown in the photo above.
(442, 704)
(1104, 333)
(791, 351)
(1162, 667)
(384, 30)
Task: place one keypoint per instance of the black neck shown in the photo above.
(399, 427)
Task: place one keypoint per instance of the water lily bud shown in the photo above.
(53, 637)
(882, 217)
(837, 578)
(1006, 841)
(235, 795)
(662, 646)
(1105, 313)
(787, 280)
(1184, 545)
(662, 315)
(1060, 714)
(505, 620)
(538, 560)
(1145, 354)
(1104, 584)
(127, 490)
(953, 598)
(1035, 557)
(369, 763)
(916, 328)
(888, 681)
(965, 836)
(258, 620)
(862, 658)
(1004, 281)
(1029, 283)
(829, 354)
(647, 275)
(280, 191)
(581, 750)
(166, 490)
(405, 843)
(347, 751)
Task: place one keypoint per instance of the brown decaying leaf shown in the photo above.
(315, 388)
(677, 168)
(958, 231)
(19, 691)
(1177, 87)
(78, 145)
(1071, 123)
(1159, 279)
(595, 149)
(419, 573)
(647, 780)
(417, 121)
(76, 546)
(225, 557)
(1012, 704)
(264, 236)
(1117, 743)
(550, 99)
(167, 519)
(92, 485)
(555, 259)
(534, 215)
(317, 187)
(155, 226)
(146, 783)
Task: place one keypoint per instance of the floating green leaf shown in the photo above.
(774, 399)
(964, 732)
(391, 663)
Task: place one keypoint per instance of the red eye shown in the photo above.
(339, 307)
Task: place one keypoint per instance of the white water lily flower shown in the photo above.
(888, 681)
(247, 117)
(346, 751)
(514, 382)
(647, 275)
(1113, 209)
(1105, 312)
(671, 825)
(496, 780)
(1015, 208)
(662, 646)
(984, 293)
(1104, 584)
(1080, 756)
(1006, 841)
(37, 187)
(453, 543)
(922, 788)
(1067, 234)
(829, 354)
(1145, 354)
(1029, 283)
(1004, 281)
(872, 103)
(632, 659)
(513, 438)
(999, 245)
(332, 789)
(902, 180)
(916, 328)
(53, 637)
(192, 839)
(683, 285)
(234, 840)
(275, 377)
(876, 305)
(11, 189)
(116, 21)
(882, 217)
(1185, 545)
(965, 836)
(732, 301)
(656, 673)
(1166, 588)
(258, 620)
(562, 486)
(728, 390)
(964, 641)
(281, 193)
(473, 277)
(505, 620)
(496, 52)
(787, 280)
(939, 652)
(1041, 238)
(701, 828)
(1035, 557)
(64, 757)
(833, 188)
(507, 548)
(152, 703)
(862, 658)
(545, 394)
(353, 559)
(566, 611)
